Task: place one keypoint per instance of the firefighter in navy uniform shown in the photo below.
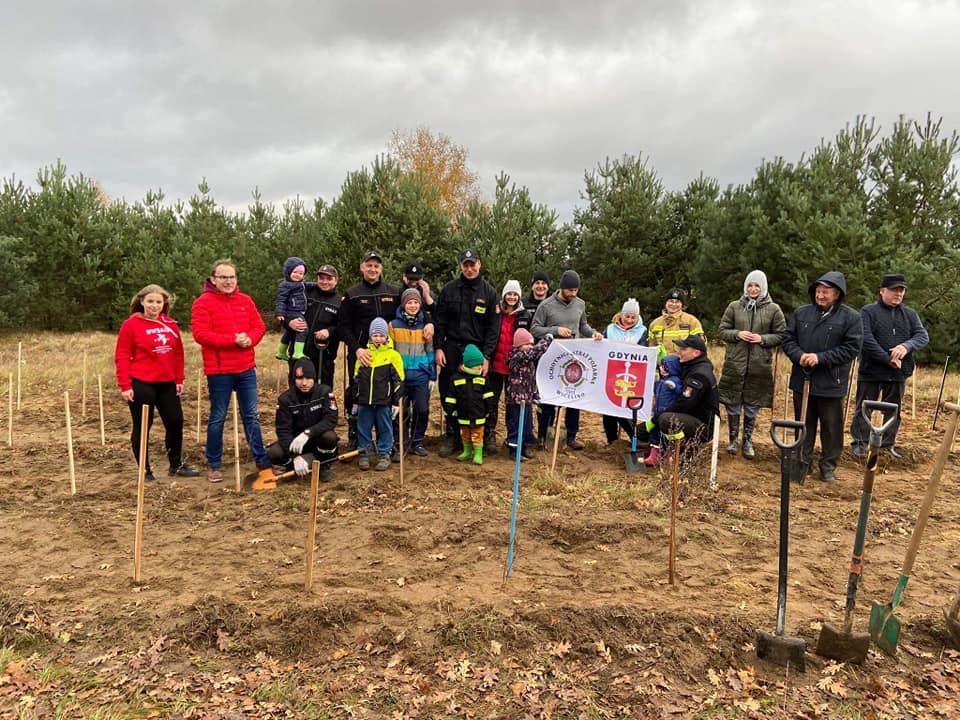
(699, 401)
(306, 424)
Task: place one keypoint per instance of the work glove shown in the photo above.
(649, 425)
(299, 442)
(394, 411)
(300, 466)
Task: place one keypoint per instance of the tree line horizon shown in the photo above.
(863, 203)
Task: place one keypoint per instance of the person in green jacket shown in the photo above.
(752, 327)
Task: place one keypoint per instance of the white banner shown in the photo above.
(598, 376)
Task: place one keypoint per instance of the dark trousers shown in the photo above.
(828, 412)
(610, 425)
(320, 447)
(454, 356)
(890, 392)
(512, 414)
(416, 413)
(495, 383)
(693, 427)
(571, 419)
(162, 396)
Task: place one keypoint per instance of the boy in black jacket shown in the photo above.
(468, 400)
(306, 424)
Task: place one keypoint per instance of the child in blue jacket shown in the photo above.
(292, 303)
(419, 368)
(666, 389)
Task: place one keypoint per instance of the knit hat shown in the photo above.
(677, 294)
(631, 307)
(472, 357)
(304, 368)
(570, 280)
(522, 337)
(760, 278)
(378, 325)
(540, 275)
(410, 293)
(511, 286)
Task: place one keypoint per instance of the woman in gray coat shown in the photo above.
(751, 327)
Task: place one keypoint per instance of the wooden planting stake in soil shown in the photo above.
(913, 396)
(716, 452)
(311, 524)
(236, 443)
(73, 472)
(556, 437)
(199, 382)
(19, 363)
(83, 387)
(141, 481)
(103, 436)
(10, 411)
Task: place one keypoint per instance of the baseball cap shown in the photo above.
(692, 341)
(373, 255)
(413, 271)
(469, 255)
(328, 270)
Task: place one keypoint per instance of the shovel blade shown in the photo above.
(842, 647)
(884, 627)
(781, 650)
(953, 625)
(633, 460)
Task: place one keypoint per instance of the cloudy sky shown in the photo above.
(291, 96)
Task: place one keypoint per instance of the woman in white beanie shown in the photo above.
(513, 316)
(628, 327)
(752, 327)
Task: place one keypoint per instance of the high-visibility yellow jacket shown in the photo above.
(667, 328)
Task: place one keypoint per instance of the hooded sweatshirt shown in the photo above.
(148, 350)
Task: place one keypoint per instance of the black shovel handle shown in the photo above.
(786, 425)
(635, 403)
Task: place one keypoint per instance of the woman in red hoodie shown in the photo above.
(149, 360)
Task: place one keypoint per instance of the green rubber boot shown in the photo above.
(478, 454)
(467, 452)
(297, 350)
(282, 353)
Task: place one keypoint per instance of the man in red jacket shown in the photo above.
(228, 326)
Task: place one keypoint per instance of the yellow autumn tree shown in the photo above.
(441, 162)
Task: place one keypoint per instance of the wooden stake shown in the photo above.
(311, 524)
(913, 396)
(715, 453)
(401, 443)
(19, 363)
(199, 382)
(279, 376)
(786, 396)
(10, 411)
(556, 437)
(103, 436)
(83, 387)
(73, 472)
(236, 442)
(141, 475)
(675, 491)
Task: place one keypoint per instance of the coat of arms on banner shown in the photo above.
(625, 379)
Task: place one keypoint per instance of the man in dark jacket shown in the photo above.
(467, 312)
(892, 332)
(539, 290)
(413, 278)
(698, 402)
(821, 340)
(368, 299)
(306, 424)
(323, 311)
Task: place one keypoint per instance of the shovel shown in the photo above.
(633, 462)
(835, 644)
(266, 480)
(777, 647)
(884, 625)
(953, 620)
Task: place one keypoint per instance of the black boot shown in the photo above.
(451, 444)
(178, 467)
(489, 441)
(734, 422)
(748, 425)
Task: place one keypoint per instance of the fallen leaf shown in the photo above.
(495, 647)
(340, 653)
(255, 541)
(340, 501)
(437, 557)
(401, 581)
(559, 649)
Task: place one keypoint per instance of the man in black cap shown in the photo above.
(821, 340)
(320, 323)
(466, 313)
(694, 409)
(539, 290)
(370, 298)
(306, 424)
(892, 333)
(563, 315)
(413, 278)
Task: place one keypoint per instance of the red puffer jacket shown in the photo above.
(217, 319)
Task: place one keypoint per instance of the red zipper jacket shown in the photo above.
(148, 350)
(217, 318)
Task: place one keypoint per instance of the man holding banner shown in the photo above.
(564, 316)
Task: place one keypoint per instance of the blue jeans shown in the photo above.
(513, 425)
(220, 388)
(369, 416)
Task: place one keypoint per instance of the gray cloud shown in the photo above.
(290, 97)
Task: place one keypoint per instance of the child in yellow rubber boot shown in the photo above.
(469, 400)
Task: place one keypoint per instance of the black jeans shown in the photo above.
(891, 392)
(162, 396)
(828, 412)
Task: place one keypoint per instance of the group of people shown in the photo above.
(477, 345)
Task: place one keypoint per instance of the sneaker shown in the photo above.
(395, 455)
(364, 462)
(526, 452)
(149, 477)
(183, 470)
(450, 447)
(859, 451)
(420, 450)
(828, 476)
(575, 444)
(383, 463)
(896, 454)
(215, 475)
(326, 472)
